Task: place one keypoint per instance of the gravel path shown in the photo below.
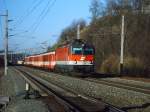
(13, 85)
(127, 99)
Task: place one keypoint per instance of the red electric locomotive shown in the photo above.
(75, 56)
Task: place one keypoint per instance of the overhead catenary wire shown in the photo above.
(1, 32)
(29, 11)
(42, 15)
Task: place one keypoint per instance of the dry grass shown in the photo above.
(133, 66)
(110, 65)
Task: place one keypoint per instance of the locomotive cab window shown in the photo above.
(88, 51)
(77, 51)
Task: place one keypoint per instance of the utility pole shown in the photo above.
(11, 56)
(122, 45)
(78, 31)
(24, 54)
(6, 40)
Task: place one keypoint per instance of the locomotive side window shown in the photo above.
(77, 51)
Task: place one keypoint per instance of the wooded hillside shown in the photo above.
(104, 33)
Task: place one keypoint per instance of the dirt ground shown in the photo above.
(13, 85)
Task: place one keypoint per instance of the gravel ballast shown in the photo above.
(13, 85)
(132, 82)
(116, 96)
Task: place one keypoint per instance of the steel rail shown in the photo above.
(120, 85)
(49, 91)
(136, 88)
(108, 107)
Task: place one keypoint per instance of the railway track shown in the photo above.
(80, 104)
(127, 86)
(74, 102)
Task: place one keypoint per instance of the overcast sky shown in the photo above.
(38, 21)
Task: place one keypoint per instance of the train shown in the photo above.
(77, 56)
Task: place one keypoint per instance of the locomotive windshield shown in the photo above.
(77, 51)
(78, 47)
(88, 51)
(84, 51)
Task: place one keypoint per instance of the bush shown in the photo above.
(110, 65)
(132, 66)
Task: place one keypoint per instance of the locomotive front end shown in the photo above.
(81, 56)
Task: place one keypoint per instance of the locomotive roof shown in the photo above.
(74, 41)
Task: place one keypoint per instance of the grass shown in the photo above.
(133, 66)
(110, 65)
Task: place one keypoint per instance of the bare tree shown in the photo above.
(96, 9)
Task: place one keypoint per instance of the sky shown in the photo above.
(38, 23)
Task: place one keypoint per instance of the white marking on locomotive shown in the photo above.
(73, 63)
(82, 58)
